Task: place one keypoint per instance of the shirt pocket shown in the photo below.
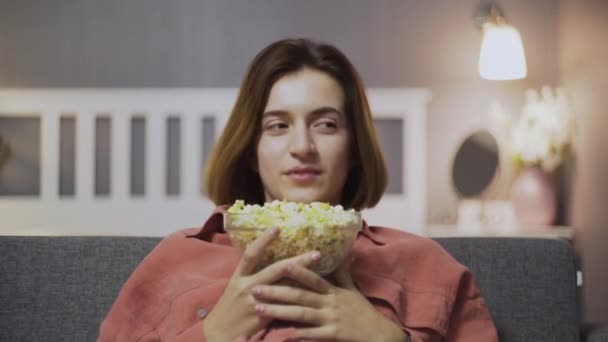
(407, 308)
(192, 306)
(385, 294)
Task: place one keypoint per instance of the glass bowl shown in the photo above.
(333, 242)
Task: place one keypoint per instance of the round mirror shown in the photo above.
(475, 164)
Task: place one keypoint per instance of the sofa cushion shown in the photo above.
(59, 288)
(529, 285)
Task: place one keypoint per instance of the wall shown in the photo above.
(193, 43)
(583, 70)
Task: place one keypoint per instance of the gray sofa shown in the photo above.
(60, 288)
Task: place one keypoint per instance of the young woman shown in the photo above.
(301, 130)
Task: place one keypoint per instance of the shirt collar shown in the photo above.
(214, 224)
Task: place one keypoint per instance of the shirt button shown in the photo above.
(202, 313)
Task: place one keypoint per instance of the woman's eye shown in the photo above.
(276, 127)
(326, 126)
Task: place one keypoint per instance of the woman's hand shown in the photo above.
(338, 313)
(234, 314)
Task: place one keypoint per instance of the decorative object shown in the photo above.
(538, 143)
(475, 170)
(501, 56)
(543, 134)
(476, 164)
(534, 197)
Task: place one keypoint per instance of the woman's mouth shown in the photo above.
(303, 174)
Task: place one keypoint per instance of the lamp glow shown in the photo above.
(502, 54)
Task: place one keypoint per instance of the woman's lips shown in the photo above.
(303, 174)
(303, 177)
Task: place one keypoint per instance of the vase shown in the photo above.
(534, 197)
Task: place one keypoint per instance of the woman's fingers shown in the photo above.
(254, 252)
(288, 295)
(317, 333)
(282, 269)
(291, 313)
(343, 277)
(308, 278)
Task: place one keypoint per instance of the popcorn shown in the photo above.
(331, 230)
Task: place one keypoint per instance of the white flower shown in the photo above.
(543, 131)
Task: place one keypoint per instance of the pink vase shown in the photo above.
(534, 198)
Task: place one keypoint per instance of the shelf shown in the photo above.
(546, 232)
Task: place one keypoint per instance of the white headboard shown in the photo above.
(156, 213)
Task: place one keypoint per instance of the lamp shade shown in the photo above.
(502, 53)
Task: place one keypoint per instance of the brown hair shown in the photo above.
(229, 174)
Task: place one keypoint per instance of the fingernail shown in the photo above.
(289, 268)
(257, 291)
(259, 308)
(315, 256)
(274, 231)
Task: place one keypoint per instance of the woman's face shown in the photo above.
(304, 148)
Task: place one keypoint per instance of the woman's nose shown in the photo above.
(301, 144)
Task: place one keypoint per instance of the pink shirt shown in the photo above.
(409, 279)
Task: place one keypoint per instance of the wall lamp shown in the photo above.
(501, 56)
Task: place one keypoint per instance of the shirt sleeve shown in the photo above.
(192, 334)
(470, 319)
(141, 305)
(423, 335)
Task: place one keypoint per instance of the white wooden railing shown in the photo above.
(155, 213)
